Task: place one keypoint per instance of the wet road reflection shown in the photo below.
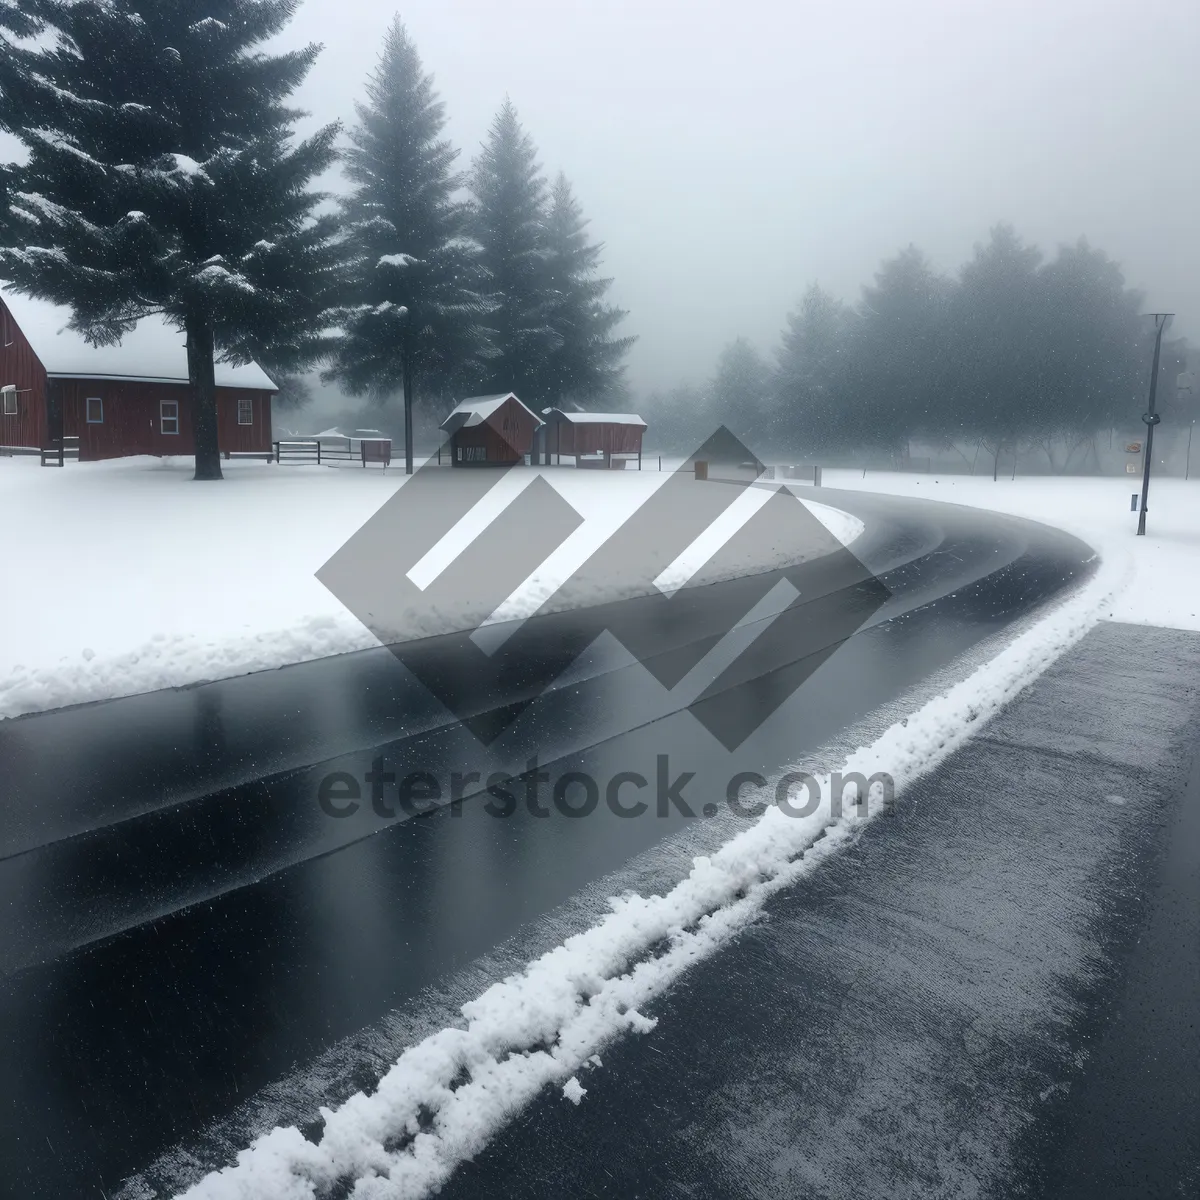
(171, 949)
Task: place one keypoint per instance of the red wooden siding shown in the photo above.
(506, 436)
(19, 365)
(596, 437)
(133, 422)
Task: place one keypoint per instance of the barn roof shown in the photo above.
(153, 352)
(595, 418)
(477, 409)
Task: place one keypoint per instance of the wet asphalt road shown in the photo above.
(184, 924)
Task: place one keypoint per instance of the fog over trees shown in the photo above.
(1017, 353)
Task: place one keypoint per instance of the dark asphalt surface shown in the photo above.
(184, 925)
(993, 994)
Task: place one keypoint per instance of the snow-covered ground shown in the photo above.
(124, 577)
(1162, 569)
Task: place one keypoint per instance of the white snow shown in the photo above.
(598, 418)
(154, 351)
(479, 408)
(396, 260)
(227, 584)
(1164, 584)
(574, 1091)
(540, 1026)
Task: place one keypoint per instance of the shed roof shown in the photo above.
(153, 352)
(476, 409)
(595, 418)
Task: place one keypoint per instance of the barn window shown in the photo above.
(168, 416)
(10, 400)
(245, 411)
(95, 410)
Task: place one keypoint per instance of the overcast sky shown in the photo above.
(730, 153)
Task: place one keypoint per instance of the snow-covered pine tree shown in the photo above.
(587, 360)
(509, 225)
(162, 178)
(413, 314)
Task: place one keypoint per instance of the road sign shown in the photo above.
(1131, 468)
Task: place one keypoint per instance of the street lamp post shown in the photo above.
(1151, 418)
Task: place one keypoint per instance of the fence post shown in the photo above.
(318, 452)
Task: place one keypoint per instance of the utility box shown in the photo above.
(701, 469)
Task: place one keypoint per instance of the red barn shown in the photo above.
(490, 431)
(132, 398)
(593, 439)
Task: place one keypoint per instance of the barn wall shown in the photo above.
(596, 437)
(506, 436)
(19, 365)
(133, 424)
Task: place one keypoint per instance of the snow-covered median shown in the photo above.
(124, 577)
(1163, 585)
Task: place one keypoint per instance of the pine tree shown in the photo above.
(415, 307)
(810, 381)
(587, 360)
(742, 391)
(509, 225)
(899, 351)
(162, 178)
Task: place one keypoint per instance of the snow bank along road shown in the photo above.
(232, 587)
(191, 940)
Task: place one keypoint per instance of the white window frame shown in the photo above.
(87, 410)
(248, 401)
(9, 393)
(163, 418)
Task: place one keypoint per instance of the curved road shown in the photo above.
(187, 925)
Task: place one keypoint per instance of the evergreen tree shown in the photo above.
(162, 178)
(415, 307)
(742, 393)
(1094, 346)
(812, 363)
(587, 360)
(509, 225)
(898, 352)
(998, 333)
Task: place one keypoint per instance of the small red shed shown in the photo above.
(490, 431)
(131, 398)
(593, 439)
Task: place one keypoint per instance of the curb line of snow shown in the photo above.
(448, 1095)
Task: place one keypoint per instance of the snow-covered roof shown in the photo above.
(595, 418)
(153, 352)
(477, 409)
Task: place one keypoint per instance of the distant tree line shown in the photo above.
(163, 176)
(1015, 354)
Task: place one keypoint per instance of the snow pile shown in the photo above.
(172, 583)
(1164, 587)
(448, 1095)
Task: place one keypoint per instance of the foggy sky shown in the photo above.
(730, 153)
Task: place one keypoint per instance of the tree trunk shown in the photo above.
(406, 370)
(202, 374)
(996, 462)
